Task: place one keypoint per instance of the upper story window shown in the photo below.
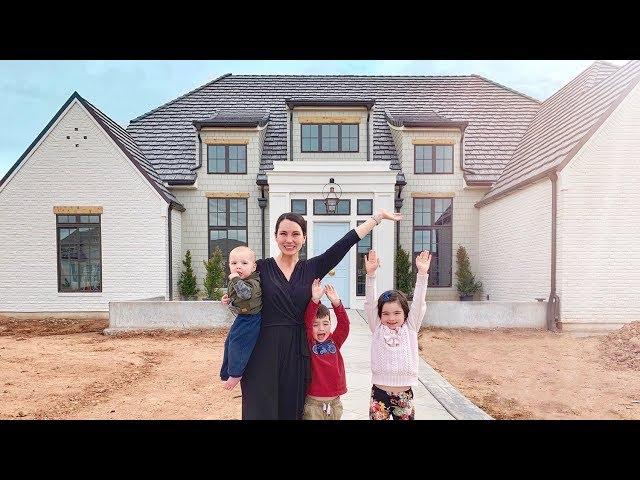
(433, 158)
(340, 137)
(226, 159)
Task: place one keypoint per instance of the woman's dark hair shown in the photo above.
(322, 311)
(294, 217)
(393, 296)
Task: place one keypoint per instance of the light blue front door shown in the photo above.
(325, 235)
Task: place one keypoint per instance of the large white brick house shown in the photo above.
(542, 195)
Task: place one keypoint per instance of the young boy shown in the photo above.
(328, 380)
(245, 294)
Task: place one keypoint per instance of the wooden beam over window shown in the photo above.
(433, 194)
(226, 194)
(77, 210)
(432, 141)
(226, 141)
(328, 119)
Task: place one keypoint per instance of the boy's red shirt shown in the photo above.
(327, 367)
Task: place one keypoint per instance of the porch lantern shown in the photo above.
(331, 197)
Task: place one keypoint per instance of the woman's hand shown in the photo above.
(396, 217)
(225, 299)
(332, 295)
(371, 262)
(423, 261)
(317, 290)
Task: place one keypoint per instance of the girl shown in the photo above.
(394, 346)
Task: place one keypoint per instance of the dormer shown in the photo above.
(427, 143)
(230, 142)
(329, 129)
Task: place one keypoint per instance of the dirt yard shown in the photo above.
(515, 374)
(68, 370)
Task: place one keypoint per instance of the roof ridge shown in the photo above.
(180, 97)
(506, 88)
(341, 75)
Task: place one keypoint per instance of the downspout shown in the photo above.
(291, 135)
(553, 304)
(262, 203)
(368, 138)
(170, 252)
(199, 155)
(397, 203)
(462, 151)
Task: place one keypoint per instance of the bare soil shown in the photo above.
(530, 374)
(67, 369)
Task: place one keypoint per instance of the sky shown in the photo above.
(32, 91)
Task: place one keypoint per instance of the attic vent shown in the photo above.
(76, 129)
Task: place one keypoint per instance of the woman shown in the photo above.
(275, 380)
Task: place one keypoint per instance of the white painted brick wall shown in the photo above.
(195, 227)
(465, 215)
(97, 173)
(599, 224)
(515, 245)
(362, 134)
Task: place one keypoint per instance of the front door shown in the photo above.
(325, 235)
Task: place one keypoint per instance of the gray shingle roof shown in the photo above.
(497, 116)
(131, 150)
(565, 121)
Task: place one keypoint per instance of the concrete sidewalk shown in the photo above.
(435, 399)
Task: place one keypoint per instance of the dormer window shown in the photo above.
(226, 159)
(433, 159)
(333, 137)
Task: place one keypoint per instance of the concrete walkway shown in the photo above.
(435, 398)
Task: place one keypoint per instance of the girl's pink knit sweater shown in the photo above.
(394, 355)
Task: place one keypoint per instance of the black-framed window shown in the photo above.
(343, 208)
(226, 159)
(329, 137)
(433, 231)
(227, 225)
(365, 207)
(299, 206)
(79, 253)
(433, 158)
(363, 248)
